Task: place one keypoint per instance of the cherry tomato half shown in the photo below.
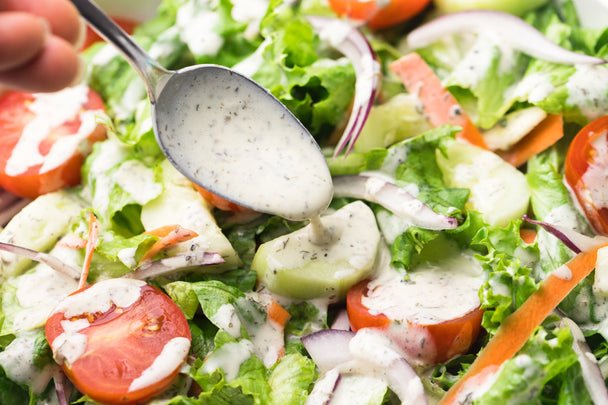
(377, 16)
(221, 203)
(92, 37)
(121, 341)
(428, 343)
(585, 171)
(62, 146)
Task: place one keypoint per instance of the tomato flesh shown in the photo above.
(585, 172)
(428, 343)
(15, 115)
(121, 343)
(378, 17)
(221, 203)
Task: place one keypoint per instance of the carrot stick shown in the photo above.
(90, 247)
(439, 105)
(278, 314)
(170, 235)
(517, 328)
(528, 235)
(545, 134)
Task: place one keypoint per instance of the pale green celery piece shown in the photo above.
(399, 118)
(498, 190)
(302, 266)
(38, 226)
(181, 204)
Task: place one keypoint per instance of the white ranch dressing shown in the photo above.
(435, 293)
(262, 158)
(100, 297)
(171, 357)
(51, 110)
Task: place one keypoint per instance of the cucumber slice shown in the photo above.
(398, 119)
(181, 204)
(38, 226)
(498, 190)
(293, 266)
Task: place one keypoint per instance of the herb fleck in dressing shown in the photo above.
(263, 158)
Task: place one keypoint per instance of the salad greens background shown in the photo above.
(284, 54)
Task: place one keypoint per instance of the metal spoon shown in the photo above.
(227, 133)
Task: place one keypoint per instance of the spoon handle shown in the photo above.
(148, 68)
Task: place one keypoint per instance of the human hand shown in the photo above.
(39, 42)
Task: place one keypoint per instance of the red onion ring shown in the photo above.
(512, 30)
(349, 41)
(51, 261)
(575, 241)
(592, 375)
(171, 264)
(394, 199)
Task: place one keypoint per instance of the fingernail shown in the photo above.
(82, 34)
(80, 73)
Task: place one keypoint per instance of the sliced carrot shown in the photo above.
(545, 134)
(527, 235)
(170, 235)
(90, 247)
(518, 327)
(278, 314)
(438, 104)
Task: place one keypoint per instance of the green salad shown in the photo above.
(461, 259)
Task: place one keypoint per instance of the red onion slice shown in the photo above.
(512, 30)
(172, 264)
(394, 199)
(51, 261)
(328, 347)
(593, 378)
(349, 41)
(576, 241)
(368, 352)
(341, 322)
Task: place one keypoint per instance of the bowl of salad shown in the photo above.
(460, 261)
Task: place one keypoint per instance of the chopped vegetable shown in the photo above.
(379, 14)
(170, 235)
(517, 328)
(438, 104)
(547, 133)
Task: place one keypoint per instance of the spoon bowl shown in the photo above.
(227, 133)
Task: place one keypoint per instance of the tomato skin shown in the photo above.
(221, 203)
(440, 341)
(121, 344)
(14, 116)
(91, 37)
(580, 158)
(379, 17)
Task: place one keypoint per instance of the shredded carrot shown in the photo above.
(545, 134)
(278, 314)
(438, 104)
(518, 327)
(527, 235)
(170, 235)
(90, 247)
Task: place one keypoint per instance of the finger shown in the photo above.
(57, 65)
(22, 36)
(63, 17)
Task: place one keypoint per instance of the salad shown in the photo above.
(462, 259)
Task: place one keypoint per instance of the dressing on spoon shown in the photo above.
(226, 133)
